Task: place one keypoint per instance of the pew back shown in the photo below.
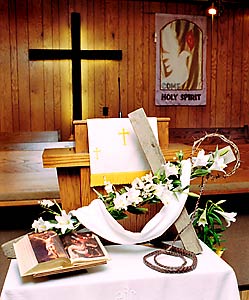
(23, 180)
(238, 183)
(29, 137)
(238, 135)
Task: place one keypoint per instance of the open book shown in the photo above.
(45, 253)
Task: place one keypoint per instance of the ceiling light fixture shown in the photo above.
(212, 10)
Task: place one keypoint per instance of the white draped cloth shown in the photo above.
(96, 218)
(125, 276)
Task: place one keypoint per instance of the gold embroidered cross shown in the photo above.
(96, 151)
(123, 133)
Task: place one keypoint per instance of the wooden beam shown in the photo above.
(68, 157)
(155, 159)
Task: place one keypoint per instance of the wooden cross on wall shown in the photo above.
(76, 55)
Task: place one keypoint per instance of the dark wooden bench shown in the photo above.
(238, 183)
(23, 180)
(29, 137)
(239, 135)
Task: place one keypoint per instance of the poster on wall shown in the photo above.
(180, 59)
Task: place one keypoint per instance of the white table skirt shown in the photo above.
(125, 277)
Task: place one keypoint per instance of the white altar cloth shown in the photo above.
(126, 277)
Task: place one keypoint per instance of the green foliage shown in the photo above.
(209, 225)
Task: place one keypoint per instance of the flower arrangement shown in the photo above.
(149, 189)
(162, 187)
(61, 222)
(209, 225)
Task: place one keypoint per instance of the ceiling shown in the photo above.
(238, 3)
(228, 2)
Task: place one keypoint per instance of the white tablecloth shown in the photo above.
(125, 277)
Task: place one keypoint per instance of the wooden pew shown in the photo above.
(23, 180)
(29, 137)
(238, 183)
(239, 135)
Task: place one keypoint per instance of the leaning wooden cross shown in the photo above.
(155, 159)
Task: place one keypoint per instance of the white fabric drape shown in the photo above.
(96, 218)
(125, 276)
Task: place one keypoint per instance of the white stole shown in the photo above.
(115, 152)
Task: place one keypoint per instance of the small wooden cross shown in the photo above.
(155, 159)
(75, 55)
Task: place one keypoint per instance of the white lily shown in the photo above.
(203, 218)
(229, 217)
(170, 169)
(137, 183)
(120, 202)
(40, 225)
(133, 196)
(148, 178)
(164, 194)
(46, 203)
(201, 160)
(109, 187)
(219, 164)
(64, 222)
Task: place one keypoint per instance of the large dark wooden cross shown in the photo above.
(76, 55)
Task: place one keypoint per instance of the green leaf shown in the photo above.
(98, 194)
(200, 173)
(192, 194)
(137, 210)
(179, 155)
(53, 221)
(210, 220)
(118, 214)
(217, 238)
(216, 218)
(223, 151)
(186, 187)
(176, 182)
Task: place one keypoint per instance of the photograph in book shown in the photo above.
(83, 246)
(45, 253)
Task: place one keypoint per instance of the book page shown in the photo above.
(43, 253)
(25, 255)
(47, 246)
(38, 252)
(84, 247)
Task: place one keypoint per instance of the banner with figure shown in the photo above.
(180, 59)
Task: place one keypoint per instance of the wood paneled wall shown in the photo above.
(36, 95)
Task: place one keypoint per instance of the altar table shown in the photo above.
(126, 277)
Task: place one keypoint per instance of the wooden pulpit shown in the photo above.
(73, 170)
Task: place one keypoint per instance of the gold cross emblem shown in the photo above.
(123, 132)
(97, 151)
